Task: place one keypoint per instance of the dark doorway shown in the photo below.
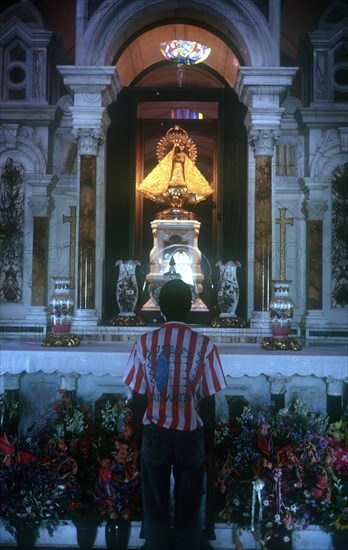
(222, 157)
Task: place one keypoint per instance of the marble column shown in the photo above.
(314, 208)
(260, 89)
(41, 206)
(39, 267)
(88, 142)
(263, 142)
(94, 88)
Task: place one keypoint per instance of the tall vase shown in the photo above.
(228, 288)
(117, 533)
(340, 539)
(26, 536)
(86, 535)
(61, 306)
(127, 291)
(278, 538)
(281, 309)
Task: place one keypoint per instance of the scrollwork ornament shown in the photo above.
(263, 141)
(316, 209)
(61, 340)
(334, 387)
(89, 140)
(275, 344)
(278, 384)
(41, 206)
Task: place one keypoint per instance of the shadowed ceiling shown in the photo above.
(143, 57)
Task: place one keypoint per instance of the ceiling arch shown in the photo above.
(240, 25)
(143, 57)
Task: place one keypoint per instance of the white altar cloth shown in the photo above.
(237, 360)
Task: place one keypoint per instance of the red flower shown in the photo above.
(25, 458)
(317, 493)
(104, 472)
(264, 445)
(6, 447)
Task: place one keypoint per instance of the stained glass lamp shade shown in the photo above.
(185, 51)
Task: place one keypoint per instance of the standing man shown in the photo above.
(174, 373)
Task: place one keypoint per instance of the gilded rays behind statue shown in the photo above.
(176, 181)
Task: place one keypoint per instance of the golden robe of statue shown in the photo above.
(175, 181)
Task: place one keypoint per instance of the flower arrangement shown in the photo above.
(31, 487)
(279, 469)
(118, 489)
(96, 477)
(335, 517)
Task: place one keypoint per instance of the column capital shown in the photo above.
(68, 381)
(89, 140)
(11, 381)
(278, 384)
(261, 90)
(263, 141)
(315, 209)
(41, 202)
(334, 386)
(93, 88)
(263, 87)
(92, 84)
(315, 203)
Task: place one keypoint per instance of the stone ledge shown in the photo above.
(65, 537)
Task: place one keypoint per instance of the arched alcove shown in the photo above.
(242, 26)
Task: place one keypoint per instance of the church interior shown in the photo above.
(146, 140)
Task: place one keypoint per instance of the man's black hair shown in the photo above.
(175, 300)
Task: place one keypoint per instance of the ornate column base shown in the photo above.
(313, 322)
(274, 344)
(175, 254)
(261, 320)
(85, 322)
(37, 315)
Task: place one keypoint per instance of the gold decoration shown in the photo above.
(176, 136)
(127, 321)
(283, 222)
(61, 340)
(176, 180)
(273, 344)
(228, 322)
(72, 220)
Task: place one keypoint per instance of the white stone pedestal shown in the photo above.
(177, 240)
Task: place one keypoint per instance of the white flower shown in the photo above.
(277, 518)
(293, 508)
(266, 502)
(236, 502)
(286, 539)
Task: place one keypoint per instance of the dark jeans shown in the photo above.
(161, 450)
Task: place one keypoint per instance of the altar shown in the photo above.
(317, 374)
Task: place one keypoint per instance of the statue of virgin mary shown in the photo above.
(176, 180)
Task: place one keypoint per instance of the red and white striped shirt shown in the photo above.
(175, 366)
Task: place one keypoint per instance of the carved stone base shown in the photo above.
(127, 321)
(228, 322)
(61, 340)
(272, 344)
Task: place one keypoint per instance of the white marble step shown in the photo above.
(65, 537)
